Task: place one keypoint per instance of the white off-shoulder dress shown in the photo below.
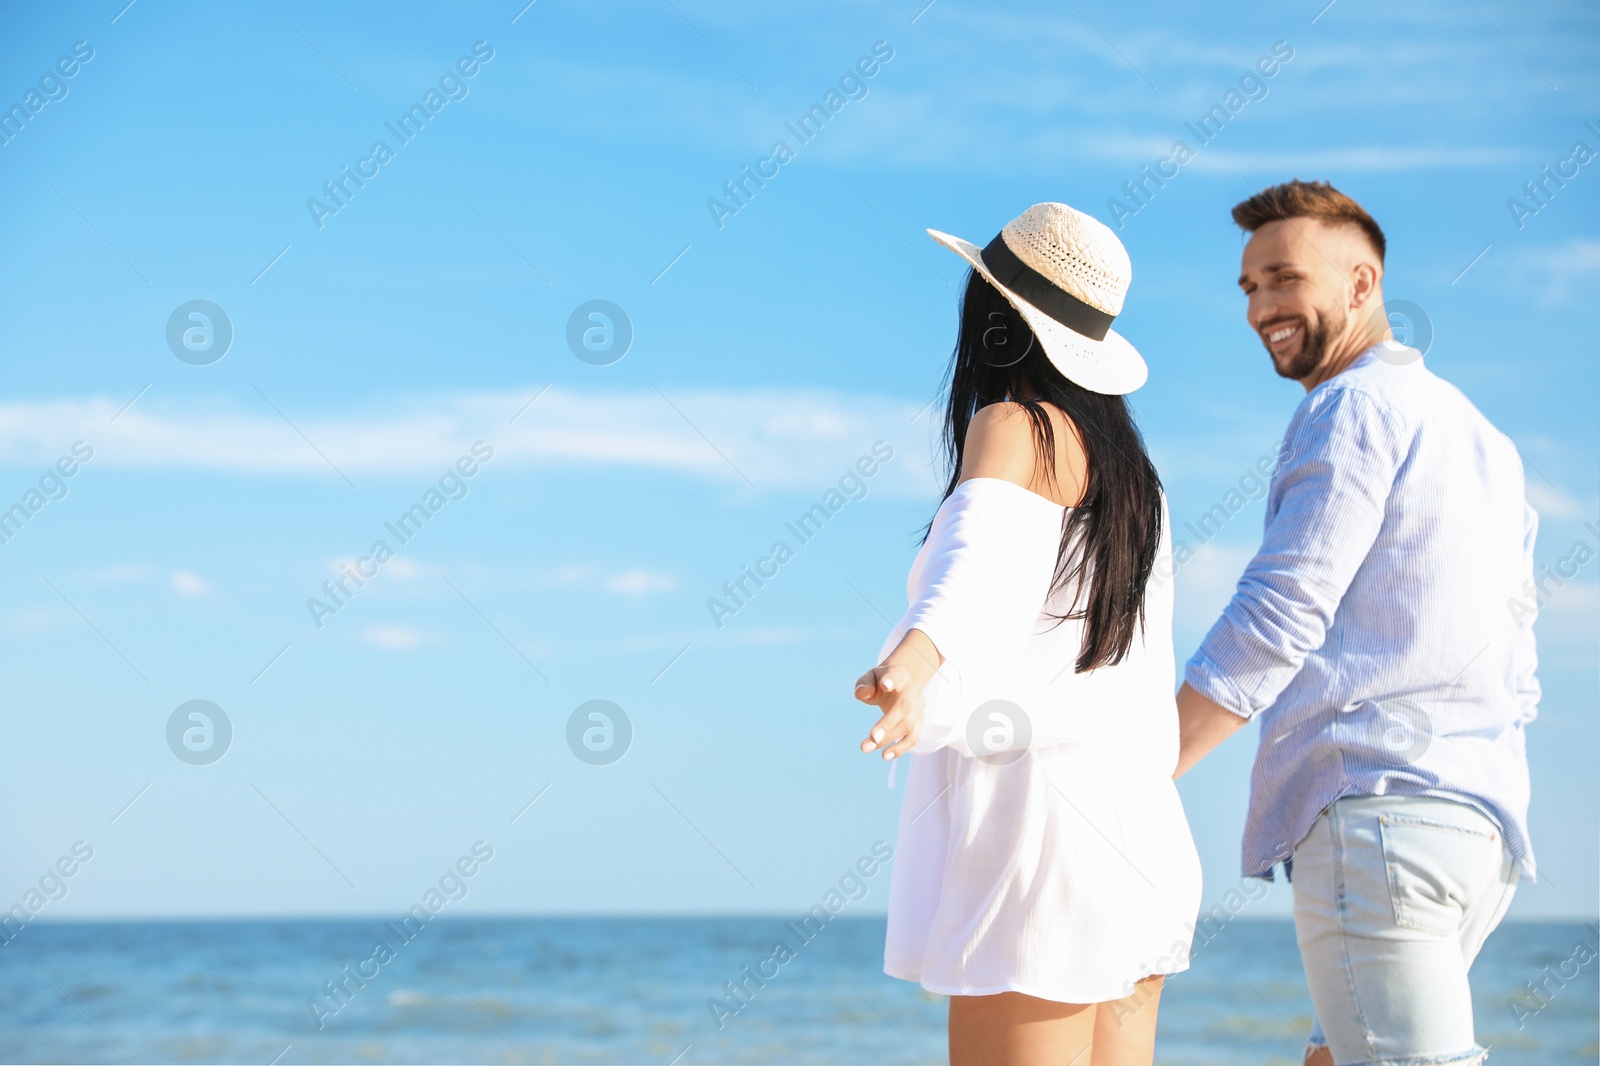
(1042, 845)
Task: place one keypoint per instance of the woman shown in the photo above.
(1045, 878)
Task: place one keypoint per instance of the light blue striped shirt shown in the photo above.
(1374, 631)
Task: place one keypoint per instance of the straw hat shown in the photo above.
(1066, 274)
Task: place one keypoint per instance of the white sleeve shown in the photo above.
(984, 576)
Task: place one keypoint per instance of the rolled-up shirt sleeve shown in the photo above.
(984, 576)
(1324, 512)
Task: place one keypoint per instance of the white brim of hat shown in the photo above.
(1111, 366)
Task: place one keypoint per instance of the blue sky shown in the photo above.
(769, 353)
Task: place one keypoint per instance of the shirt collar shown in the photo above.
(1390, 351)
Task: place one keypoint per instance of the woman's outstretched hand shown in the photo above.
(895, 687)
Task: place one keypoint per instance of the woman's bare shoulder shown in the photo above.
(1000, 444)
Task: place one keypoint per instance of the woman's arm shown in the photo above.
(978, 600)
(1202, 725)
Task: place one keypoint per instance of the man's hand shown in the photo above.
(1202, 725)
(895, 688)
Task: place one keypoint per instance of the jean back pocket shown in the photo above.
(1436, 870)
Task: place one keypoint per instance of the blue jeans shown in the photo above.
(1393, 897)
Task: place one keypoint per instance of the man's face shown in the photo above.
(1297, 298)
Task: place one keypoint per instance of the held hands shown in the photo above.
(895, 687)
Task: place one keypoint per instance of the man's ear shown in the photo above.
(1365, 282)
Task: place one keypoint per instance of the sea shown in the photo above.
(654, 990)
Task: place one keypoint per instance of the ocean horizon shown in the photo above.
(654, 989)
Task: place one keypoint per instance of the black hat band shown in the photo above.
(1043, 293)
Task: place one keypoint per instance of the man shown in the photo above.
(1370, 636)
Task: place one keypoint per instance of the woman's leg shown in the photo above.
(1125, 1029)
(1021, 1030)
(1017, 1030)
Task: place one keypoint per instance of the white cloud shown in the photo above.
(1205, 584)
(397, 638)
(1351, 158)
(1568, 626)
(786, 438)
(1552, 502)
(1064, 94)
(189, 584)
(777, 636)
(401, 568)
(639, 582)
(32, 621)
(1558, 275)
(121, 574)
(629, 582)
(942, 104)
(568, 574)
(1136, 148)
(701, 641)
(1573, 601)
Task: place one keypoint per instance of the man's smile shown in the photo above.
(1278, 337)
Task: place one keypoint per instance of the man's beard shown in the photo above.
(1313, 348)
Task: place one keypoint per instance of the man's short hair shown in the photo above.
(1306, 199)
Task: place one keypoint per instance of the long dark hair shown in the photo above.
(1114, 532)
